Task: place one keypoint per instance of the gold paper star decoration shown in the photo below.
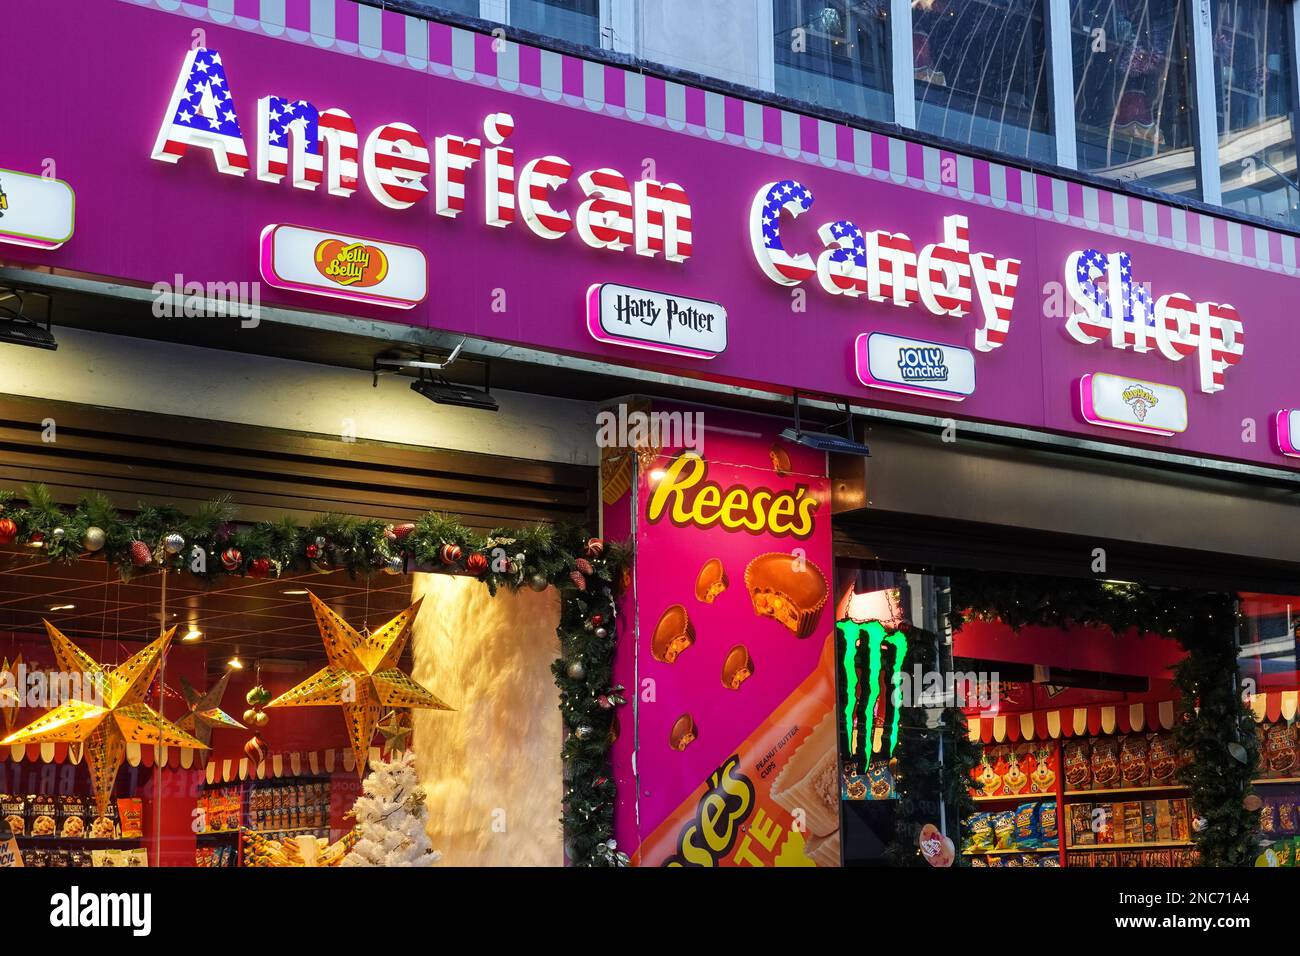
(362, 676)
(11, 695)
(205, 710)
(395, 730)
(107, 715)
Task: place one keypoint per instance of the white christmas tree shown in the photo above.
(390, 818)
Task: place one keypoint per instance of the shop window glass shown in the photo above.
(1254, 91)
(1133, 86)
(577, 21)
(1270, 642)
(835, 54)
(981, 74)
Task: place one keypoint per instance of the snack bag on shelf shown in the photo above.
(14, 810)
(72, 816)
(979, 835)
(1026, 835)
(1078, 764)
(986, 776)
(1004, 829)
(130, 813)
(42, 815)
(1045, 823)
(1162, 759)
(1105, 763)
(1134, 767)
(1149, 821)
(105, 827)
(1019, 762)
(1181, 821)
(1081, 832)
(1042, 771)
(1286, 817)
(1279, 750)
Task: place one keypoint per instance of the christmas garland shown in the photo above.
(1216, 727)
(209, 544)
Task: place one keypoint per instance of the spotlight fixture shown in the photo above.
(826, 441)
(235, 664)
(193, 634)
(62, 607)
(443, 392)
(295, 592)
(430, 381)
(18, 329)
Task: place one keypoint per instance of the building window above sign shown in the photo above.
(35, 211)
(343, 267)
(658, 321)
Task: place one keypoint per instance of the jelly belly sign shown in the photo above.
(729, 755)
(520, 195)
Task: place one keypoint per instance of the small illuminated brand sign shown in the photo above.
(914, 366)
(1116, 401)
(1288, 432)
(344, 267)
(35, 211)
(642, 319)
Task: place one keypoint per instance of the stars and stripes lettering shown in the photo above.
(338, 134)
(662, 220)
(944, 270)
(945, 278)
(201, 113)
(995, 283)
(498, 171)
(1113, 305)
(396, 161)
(891, 276)
(309, 147)
(453, 159)
(537, 180)
(769, 203)
(842, 266)
(288, 132)
(605, 220)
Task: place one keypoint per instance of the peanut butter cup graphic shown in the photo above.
(787, 589)
(711, 581)
(673, 634)
(737, 668)
(684, 731)
(780, 459)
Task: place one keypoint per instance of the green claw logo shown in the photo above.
(877, 638)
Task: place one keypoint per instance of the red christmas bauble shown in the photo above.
(231, 559)
(595, 548)
(449, 553)
(400, 531)
(140, 553)
(313, 552)
(8, 531)
(255, 750)
(259, 567)
(598, 619)
(476, 564)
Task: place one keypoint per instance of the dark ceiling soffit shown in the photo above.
(936, 545)
(713, 85)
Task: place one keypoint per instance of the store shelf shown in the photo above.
(93, 841)
(210, 833)
(1082, 795)
(1011, 852)
(1016, 798)
(1266, 780)
(1103, 847)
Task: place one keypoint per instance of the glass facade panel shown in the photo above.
(1133, 86)
(1254, 92)
(469, 8)
(981, 74)
(577, 21)
(835, 54)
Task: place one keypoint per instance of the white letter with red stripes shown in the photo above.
(396, 161)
